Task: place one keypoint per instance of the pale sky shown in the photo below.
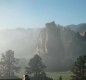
(35, 13)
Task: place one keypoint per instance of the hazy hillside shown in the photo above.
(21, 41)
(57, 45)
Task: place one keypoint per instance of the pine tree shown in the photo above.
(35, 65)
(79, 68)
(9, 65)
(60, 78)
(36, 68)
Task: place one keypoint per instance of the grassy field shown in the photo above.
(55, 75)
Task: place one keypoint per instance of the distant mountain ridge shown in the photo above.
(78, 28)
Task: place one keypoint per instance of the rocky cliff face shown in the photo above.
(59, 46)
(83, 34)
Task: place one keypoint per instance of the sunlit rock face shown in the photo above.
(83, 34)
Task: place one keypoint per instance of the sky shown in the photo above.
(36, 13)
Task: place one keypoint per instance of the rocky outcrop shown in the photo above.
(59, 46)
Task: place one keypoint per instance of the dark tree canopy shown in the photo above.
(9, 65)
(35, 65)
(79, 68)
(60, 78)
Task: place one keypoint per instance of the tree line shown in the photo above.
(9, 66)
(35, 69)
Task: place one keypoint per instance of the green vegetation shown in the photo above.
(79, 68)
(35, 65)
(78, 65)
(56, 75)
(36, 68)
